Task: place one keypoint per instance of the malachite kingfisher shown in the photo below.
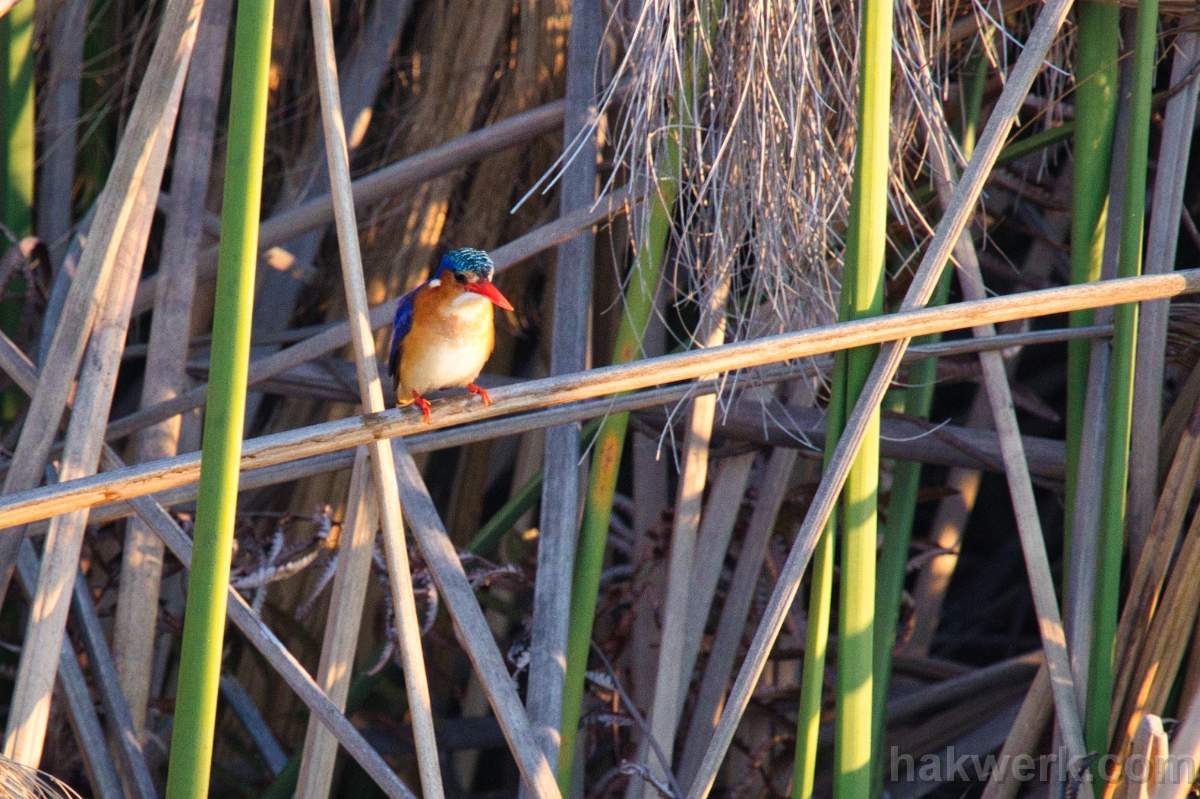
(443, 333)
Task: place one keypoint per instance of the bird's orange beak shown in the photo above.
(488, 289)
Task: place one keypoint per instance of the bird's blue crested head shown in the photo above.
(469, 262)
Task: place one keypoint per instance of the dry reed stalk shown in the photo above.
(1149, 575)
(951, 445)
(1161, 651)
(81, 710)
(56, 187)
(141, 565)
(1185, 753)
(275, 653)
(41, 503)
(385, 183)
(1152, 321)
(558, 527)
(472, 627)
(371, 390)
(773, 487)
(716, 528)
(126, 742)
(958, 210)
(1016, 469)
(953, 512)
(1151, 747)
(29, 710)
(17, 365)
(670, 681)
(341, 627)
(1023, 739)
(139, 162)
(337, 335)
(1085, 516)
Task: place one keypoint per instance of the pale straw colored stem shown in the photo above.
(671, 681)
(371, 389)
(341, 627)
(1161, 240)
(29, 711)
(136, 619)
(472, 627)
(559, 521)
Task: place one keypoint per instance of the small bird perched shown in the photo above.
(443, 333)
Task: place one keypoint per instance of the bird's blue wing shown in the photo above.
(401, 327)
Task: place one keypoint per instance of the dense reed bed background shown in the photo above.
(839, 562)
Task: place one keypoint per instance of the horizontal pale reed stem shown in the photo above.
(42, 503)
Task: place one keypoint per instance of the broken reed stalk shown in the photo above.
(136, 165)
(319, 439)
(862, 288)
(946, 236)
(134, 638)
(1098, 30)
(558, 527)
(216, 508)
(1120, 393)
(371, 392)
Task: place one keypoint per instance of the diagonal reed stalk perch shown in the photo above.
(134, 481)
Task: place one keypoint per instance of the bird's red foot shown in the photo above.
(482, 392)
(423, 404)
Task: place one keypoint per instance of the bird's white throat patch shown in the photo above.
(467, 298)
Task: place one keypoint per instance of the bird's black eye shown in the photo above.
(460, 277)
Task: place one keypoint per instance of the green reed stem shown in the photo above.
(862, 296)
(906, 481)
(216, 506)
(1095, 116)
(1120, 389)
(16, 45)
